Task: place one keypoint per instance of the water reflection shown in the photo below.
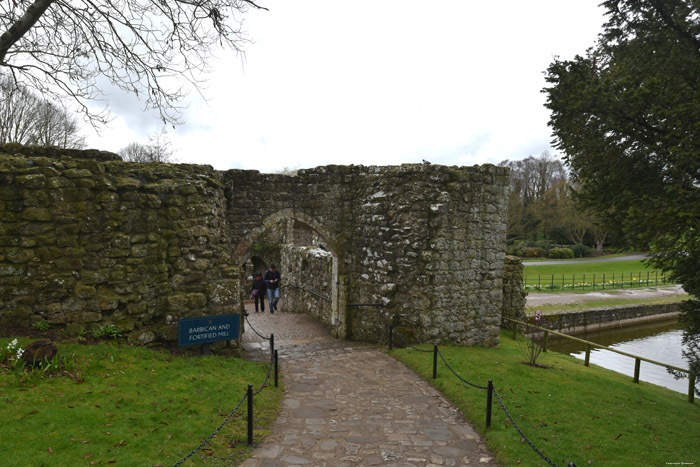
(657, 341)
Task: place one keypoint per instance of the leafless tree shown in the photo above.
(26, 118)
(158, 149)
(56, 126)
(17, 114)
(67, 48)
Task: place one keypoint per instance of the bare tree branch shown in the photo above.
(67, 48)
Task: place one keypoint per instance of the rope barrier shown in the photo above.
(240, 402)
(409, 345)
(203, 443)
(481, 387)
(459, 377)
(256, 332)
(521, 432)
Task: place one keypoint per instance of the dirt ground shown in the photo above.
(536, 299)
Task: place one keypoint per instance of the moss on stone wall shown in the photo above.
(92, 241)
(88, 240)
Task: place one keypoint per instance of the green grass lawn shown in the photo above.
(570, 412)
(583, 277)
(603, 303)
(128, 405)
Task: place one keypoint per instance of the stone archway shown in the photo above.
(87, 240)
(297, 233)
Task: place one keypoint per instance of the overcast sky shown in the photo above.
(375, 83)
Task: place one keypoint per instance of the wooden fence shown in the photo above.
(590, 345)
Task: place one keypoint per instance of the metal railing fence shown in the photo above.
(593, 281)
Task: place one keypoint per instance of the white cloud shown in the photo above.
(377, 83)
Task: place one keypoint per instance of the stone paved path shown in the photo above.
(348, 404)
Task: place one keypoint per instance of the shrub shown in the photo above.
(516, 249)
(561, 253)
(535, 252)
(581, 250)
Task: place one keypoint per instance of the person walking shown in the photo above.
(258, 291)
(272, 280)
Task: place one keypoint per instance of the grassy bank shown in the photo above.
(125, 405)
(603, 303)
(572, 413)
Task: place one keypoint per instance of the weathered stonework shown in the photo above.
(514, 296)
(88, 242)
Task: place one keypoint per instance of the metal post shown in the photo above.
(489, 401)
(435, 351)
(637, 363)
(391, 336)
(250, 415)
(205, 349)
(691, 387)
(276, 369)
(588, 354)
(272, 345)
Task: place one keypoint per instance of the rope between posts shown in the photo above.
(521, 432)
(481, 387)
(409, 345)
(203, 443)
(459, 377)
(256, 332)
(267, 378)
(228, 417)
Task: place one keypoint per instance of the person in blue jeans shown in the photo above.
(272, 280)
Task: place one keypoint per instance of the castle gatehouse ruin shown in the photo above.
(87, 240)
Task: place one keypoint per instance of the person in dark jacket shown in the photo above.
(258, 291)
(272, 280)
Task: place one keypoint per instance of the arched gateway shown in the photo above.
(88, 240)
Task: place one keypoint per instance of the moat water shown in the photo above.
(661, 342)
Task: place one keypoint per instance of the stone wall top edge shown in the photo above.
(57, 153)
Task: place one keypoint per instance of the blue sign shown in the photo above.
(194, 331)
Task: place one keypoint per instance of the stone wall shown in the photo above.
(426, 241)
(582, 321)
(85, 243)
(514, 295)
(88, 242)
(306, 270)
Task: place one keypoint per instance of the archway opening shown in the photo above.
(305, 256)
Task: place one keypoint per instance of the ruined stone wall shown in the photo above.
(85, 243)
(426, 241)
(306, 269)
(91, 242)
(514, 295)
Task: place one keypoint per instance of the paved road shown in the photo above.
(349, 404)
(583, 261)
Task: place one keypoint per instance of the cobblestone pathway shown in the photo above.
(348, 404)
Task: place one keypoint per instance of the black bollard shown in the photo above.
(272, 345)
(276, 368)
(489, 401)
(391, 336)
(250, 415)
(435, 352)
